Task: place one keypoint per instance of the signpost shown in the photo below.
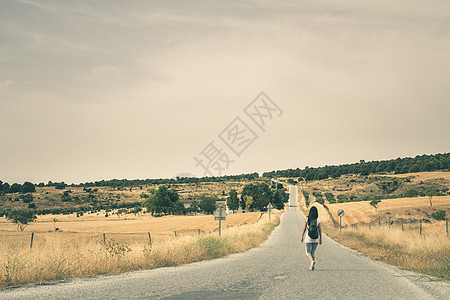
(220, 215)
(340, 214)
(269, 207)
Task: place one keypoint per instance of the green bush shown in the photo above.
(319, 197)
(412, 193)
(342, 198)
(439, 215)
(27, 198)
(330, 197)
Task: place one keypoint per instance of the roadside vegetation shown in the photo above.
(408, 232)
(58, 260)
(427, 254)
(413, 190)
(79, 245)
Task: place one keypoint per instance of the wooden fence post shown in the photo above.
(175, 233)
(31, 242)
(379, 221)
(149, 239)
(199, 231)
(446, 225)
(420, 228)
(104, 238)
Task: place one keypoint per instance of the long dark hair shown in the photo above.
(313, 214)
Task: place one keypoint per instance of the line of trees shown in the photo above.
(420, 163)
(26, 187)
(257, 197)
(163, 201)
(123, 183)
(139, 182)
(132, 207)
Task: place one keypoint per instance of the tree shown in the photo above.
(178, 208)
(233, 200)
(262, 197)
(28, 187)
(21, 218)
(439, 215)
(374, 203)
(194, 207)
(248, 201)
(60, 186)
(330, 197)
(279, 198)
(208, 204)
(430, 194)
(292, 181)
(248, 190)
(15, 188)
(27, 198)
(5, 187)
(162, 201)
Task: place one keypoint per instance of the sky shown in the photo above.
(93, 90)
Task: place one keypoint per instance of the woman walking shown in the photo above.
(313, 236)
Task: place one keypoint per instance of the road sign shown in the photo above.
(220, 215)
(340, 214)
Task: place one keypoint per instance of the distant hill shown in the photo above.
(420, 163)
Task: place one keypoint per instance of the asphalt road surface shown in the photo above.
(278, 269)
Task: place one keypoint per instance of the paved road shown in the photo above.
(278, 269)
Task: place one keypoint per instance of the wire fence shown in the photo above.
(42, 238)
(409, 224)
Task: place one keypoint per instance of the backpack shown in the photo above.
(313, 230)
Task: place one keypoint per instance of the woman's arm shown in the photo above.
(320, 234)
(304, 229)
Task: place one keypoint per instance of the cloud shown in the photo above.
(37, 4)
(6, 84)
(148, 76)
(106, 71)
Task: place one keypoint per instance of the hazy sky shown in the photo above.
(93, 90)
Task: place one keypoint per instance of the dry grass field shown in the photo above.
(80, 251)
(385, 185)
(428, 253)
(423, 176)
(362, 211)
(124, 228)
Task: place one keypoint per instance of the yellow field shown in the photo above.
(428, 253)
(61, 255)
(123, 228)
(362, 211)
(422, 176)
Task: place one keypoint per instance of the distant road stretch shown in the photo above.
(278, 269)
